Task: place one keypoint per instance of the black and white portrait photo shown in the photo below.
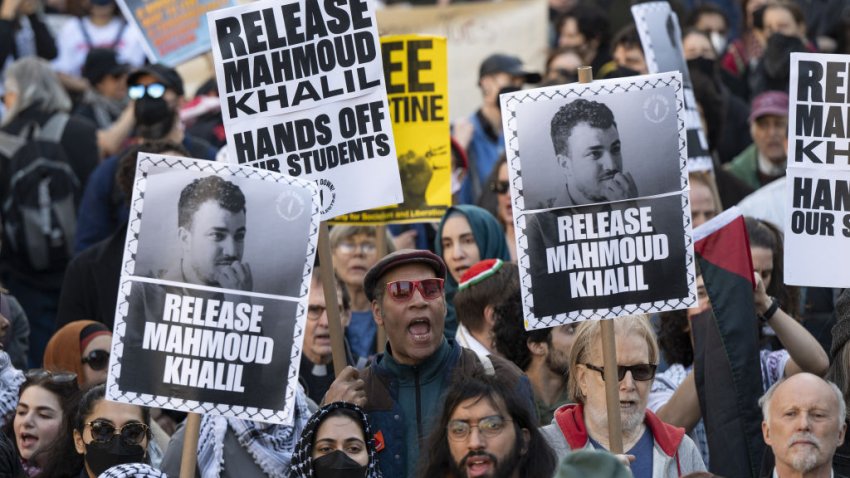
(599, 149)
(228, 233)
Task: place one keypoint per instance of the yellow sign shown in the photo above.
(416, 77)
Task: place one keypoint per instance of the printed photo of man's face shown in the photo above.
(592, 162)
(213, 242)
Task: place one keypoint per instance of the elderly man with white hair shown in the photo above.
(803, 424)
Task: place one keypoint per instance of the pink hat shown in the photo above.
(769, 103)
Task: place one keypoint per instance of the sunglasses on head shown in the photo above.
(59, 378)
(153, 90)
(499, 187)
(97, 359)
(640, 372)
(103, 432)
(403, 290)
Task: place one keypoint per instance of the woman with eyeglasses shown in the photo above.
(467, 234)
(355, 251)
(336, 443)
(81, 347)
(110, 433)
(42, 423)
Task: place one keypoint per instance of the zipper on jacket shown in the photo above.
(418, 404)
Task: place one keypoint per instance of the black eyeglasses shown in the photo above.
(60, 378)
(499, 187)
(104, 431)
(640, 372)
(153, 90)
(97, 359)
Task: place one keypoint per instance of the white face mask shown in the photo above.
(718, 41)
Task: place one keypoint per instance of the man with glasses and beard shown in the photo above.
(401, 390)
(653, 448)
(804, 422)
(486, 430)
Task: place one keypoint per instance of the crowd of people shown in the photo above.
(442, 379)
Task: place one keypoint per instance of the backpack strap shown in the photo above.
(117, 39)
(86, 35)
(54, 127)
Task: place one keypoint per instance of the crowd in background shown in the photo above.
(443, 379)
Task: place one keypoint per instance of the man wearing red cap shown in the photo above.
(402, 389)
(764, 160)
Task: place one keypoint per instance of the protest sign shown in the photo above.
(173, 31)
(658, 27)
(601, 213)
(302, 93)
(213, 291)
(417, 90)
(474, 31)
(817, 214)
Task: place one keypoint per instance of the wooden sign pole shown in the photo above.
(189, 458)
(331, 299)
(381, 251)
(609, 352)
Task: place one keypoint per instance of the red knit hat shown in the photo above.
(480, 272)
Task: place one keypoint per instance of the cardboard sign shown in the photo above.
(302, 93)
(817, 214)
(214, 287)
(601, 214)
(417, 89)
(474, 31)
(658, 27)
(173, 31)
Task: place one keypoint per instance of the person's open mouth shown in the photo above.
(420, 331)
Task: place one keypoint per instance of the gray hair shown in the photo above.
(764, 401)
(34, 83)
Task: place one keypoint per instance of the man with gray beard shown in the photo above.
(803, 424)
(653, 449)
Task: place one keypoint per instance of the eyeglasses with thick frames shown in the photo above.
(490, 427)
(97, 359)
(640, 372)
(132, 433)
(403, 290)
(153, 90)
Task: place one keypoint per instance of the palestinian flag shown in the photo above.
(726, 348)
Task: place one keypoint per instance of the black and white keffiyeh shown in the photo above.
(302, 459)
(132, 470)
(10, 383)
(270, 445)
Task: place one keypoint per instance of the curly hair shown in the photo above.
(595, 114)
(209, 188)
(673, 338)
(510, 335)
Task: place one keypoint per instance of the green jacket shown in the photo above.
(745, 166)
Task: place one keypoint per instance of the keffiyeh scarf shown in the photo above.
(302, 459)
(269, 445)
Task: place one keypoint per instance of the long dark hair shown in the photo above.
(62, 461)
(538, 459)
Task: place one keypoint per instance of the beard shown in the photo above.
(630, 421)
(556, 366)
(804, 461)
(503, 469)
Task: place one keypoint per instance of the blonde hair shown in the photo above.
(707, 179)
(588, 335)
(341, 233)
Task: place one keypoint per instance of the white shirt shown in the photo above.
(465, 339)
(73, 47)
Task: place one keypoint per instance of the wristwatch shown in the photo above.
(771, 311)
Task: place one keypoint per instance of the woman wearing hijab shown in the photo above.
(467, 234)
(336, 443)
(81, 347)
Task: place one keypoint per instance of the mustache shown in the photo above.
(475, 453)
(806, 437)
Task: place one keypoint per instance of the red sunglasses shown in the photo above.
(403, 290)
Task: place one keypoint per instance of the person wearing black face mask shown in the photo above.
(109, 433)
(336, 443)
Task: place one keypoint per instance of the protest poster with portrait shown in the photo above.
(213, 292)
(817, 213)
(302, 93)
(658, 27)
(600, 209)
(173, 31)
(416, 75)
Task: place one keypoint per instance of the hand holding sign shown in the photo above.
(348, 387)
